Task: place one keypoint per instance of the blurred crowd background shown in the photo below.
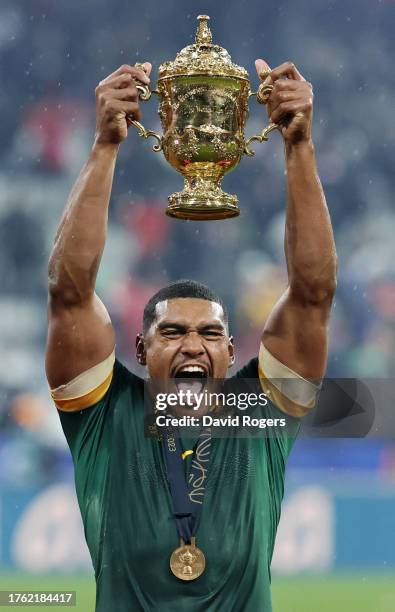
(52, 55)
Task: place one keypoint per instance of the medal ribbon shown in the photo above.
(188, 497)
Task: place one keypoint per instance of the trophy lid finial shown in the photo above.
(203, 33)
(202, 57)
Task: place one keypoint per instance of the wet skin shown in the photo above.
(186, 332)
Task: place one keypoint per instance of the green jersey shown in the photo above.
(126, 508)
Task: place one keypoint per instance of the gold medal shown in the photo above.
(187, 562)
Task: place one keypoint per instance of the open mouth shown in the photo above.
(191, 378)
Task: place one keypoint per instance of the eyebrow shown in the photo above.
(180, 327)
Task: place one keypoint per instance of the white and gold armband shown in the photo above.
(289, 391)
(87, 388)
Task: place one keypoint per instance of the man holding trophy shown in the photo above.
(154, 545)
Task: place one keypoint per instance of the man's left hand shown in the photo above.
(290, 103)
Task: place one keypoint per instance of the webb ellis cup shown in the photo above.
(203, 110)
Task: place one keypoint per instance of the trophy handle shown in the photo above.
(144, 95)
(262, 96)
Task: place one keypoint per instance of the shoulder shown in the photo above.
(126, 387)
(97, 386)
(86, 427)
(125, 377)
(249, 370)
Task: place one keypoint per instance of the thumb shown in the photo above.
(261, 66)
(148, 67)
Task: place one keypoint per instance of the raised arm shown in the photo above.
(296, 332)
(80, 333)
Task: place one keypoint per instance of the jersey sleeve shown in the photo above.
(84, 427)
(287, 389)
(87, 388)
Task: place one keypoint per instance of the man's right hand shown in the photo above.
(116, 98)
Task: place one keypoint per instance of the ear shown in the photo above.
(140, 350)
(231, 350)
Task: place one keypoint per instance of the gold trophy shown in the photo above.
(203, 110)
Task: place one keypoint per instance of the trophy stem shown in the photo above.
(202, 197)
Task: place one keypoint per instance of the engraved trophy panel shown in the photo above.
(207, 121)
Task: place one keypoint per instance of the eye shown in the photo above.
(171, 332)
(212, 334)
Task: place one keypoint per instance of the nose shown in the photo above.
(192, 345)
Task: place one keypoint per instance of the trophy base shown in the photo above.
(202, 205)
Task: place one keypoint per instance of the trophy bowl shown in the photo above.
(203, 111)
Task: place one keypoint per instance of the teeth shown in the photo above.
(193, 369)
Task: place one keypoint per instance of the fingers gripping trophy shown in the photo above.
(203, 108)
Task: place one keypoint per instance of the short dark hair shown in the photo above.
(180, 289)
